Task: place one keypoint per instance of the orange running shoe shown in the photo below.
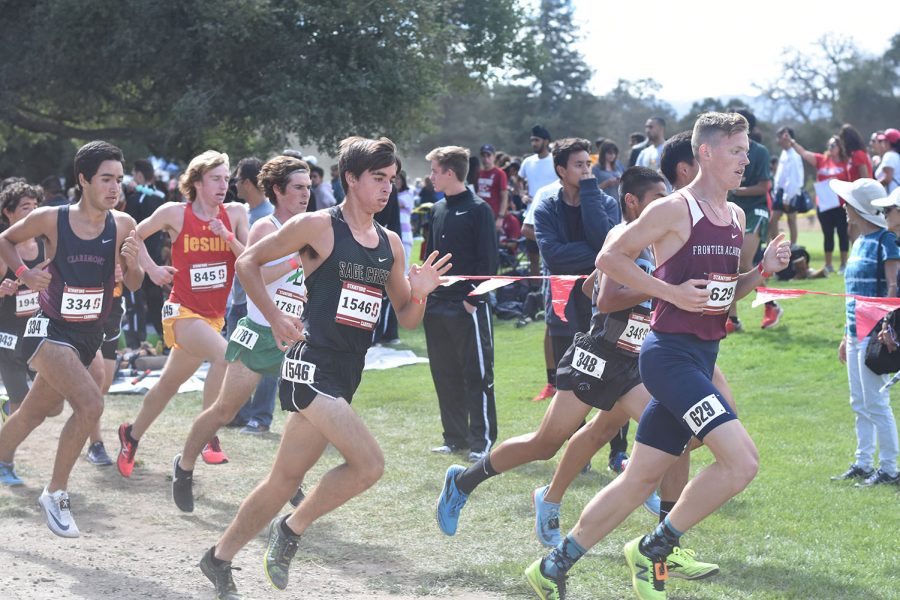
(125, 460)
(545, 394)
(212, 452)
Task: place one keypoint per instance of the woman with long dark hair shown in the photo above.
(859, 165)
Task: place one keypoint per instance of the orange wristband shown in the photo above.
(230, 237)
(21, 270)
(293, 263)
(418, 300)
(762, 271)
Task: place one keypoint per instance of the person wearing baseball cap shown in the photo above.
(888, 171)
(871, 271)
(493, 185)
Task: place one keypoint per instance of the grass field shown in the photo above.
(793, 534)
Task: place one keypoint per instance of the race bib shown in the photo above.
(8, 340)
(359, 306)
(37, 327)
(298, 371)
(587, 363)
(245, 337)
(170, 310)
(721, 293)
(703, 412)
(26, 302)
(290, 303)
(636, 330)
(81, 304)
(209, 276)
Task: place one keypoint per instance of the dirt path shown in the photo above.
(134, 543)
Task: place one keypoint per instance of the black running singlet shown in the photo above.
(345, 291)
(17, 308)
(83, 276)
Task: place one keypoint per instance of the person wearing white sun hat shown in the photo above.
(871, 271)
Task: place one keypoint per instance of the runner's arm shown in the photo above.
(270, 273)
(409, 293)
(776, 257)
(40, 222)
(168, 217)
(129, 245)
(616, 260)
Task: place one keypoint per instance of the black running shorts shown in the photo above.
(40, 329)
(597, 375)
(307, 372)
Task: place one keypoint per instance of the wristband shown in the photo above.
(230, 237)
(765, 274)
(418, 300)
(293, 263)
(20, 270)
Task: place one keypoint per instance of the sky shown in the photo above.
(717, 60)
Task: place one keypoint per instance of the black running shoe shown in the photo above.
(880, 478)
(280, 550)
(854, 472)
(182, 486)
(298, 497)
(220, 576)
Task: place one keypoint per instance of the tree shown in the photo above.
(178, 77)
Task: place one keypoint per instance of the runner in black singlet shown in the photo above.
(350, 262)
(85, 240)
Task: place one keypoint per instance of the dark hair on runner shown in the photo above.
(636, 181)
(90, 156)
(277, 174)
(565, 147)
(455, 158)
(248, 169)
(12, 195)
(145, 168)
(789, 130)
(676, 149)
(747, 114)
(606, 146)
(358, 155)
(11, 180)
(711, 123)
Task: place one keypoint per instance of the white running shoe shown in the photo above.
(59, 516)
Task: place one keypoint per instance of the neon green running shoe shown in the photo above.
(682, 564)
(546, 588)
(648, 578)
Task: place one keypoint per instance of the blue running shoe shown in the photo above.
(618, 462)
(652, 504)
(546, 519)
(450, 502)
(8, 475)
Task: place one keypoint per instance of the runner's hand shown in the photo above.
(8, 287)
(37, 279)
(286, 330)
(119, 274)
(130, 248)
(777, 255)
(691, 295)
(162, 275)
(842, 350)
(218, 228)
(424, 278)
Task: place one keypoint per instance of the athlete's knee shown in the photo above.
(89, 408)
(743, 468)
(223, 413)
(371, 469)
(56, 409)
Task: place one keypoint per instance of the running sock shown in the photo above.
(469, 479)
(551, 376)
(665, 507)
(287, 530)
(179, 471)
(218, 562)
(560, 560)
(658, 545)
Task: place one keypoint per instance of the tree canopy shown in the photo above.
(180, 76)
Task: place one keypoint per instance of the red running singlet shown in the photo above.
(205, 266)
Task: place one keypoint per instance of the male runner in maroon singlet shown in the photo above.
(696, 236)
